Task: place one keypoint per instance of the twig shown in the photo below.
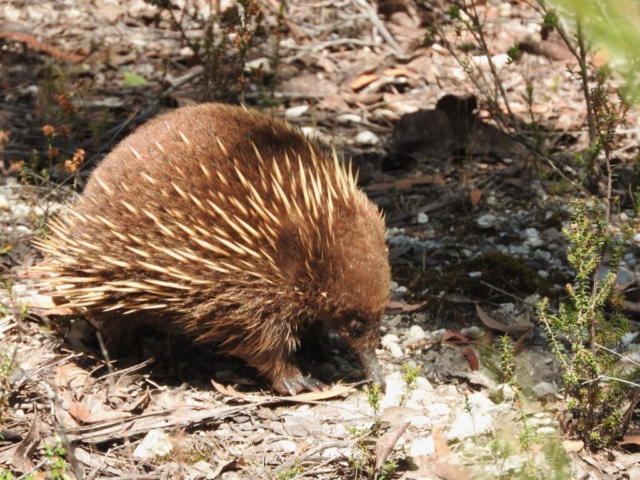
(311, 453)
(373, 17)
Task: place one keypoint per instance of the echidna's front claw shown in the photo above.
(298, 383)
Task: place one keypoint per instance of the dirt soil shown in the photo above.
(475, 224)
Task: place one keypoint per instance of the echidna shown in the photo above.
(229, 226)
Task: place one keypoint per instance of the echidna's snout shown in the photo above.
(372, 367)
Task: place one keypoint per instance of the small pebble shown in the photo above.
(543, 389)
(286, 446)
(486, 221)
(348, 118)
(388, 339)
(628, 338)
(295, 112)
(394, 321)
(412, 364)
(423, 218)
(472, 332)
(4, 204)
(422, 446)
(416, 332)
(394, 350)
(367, 138)
(20, 210)
(542, 255)
(519, 250)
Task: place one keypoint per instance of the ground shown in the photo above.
(475, 224)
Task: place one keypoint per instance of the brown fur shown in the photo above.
(185, 227)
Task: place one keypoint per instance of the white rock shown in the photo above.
(472, 332)
(422, 446)
(467, 425)
(312, 133)
(416, 332)
(20, 210)
(389, 338)
(155, 444)
(535, 242)
(547, 431)
(519, 249)
(438, 410)
(295, 112)
(288, 43)
(636, 238)
(4, 204)
(394, 350)
(286, 446)
(423, 218)
(491, 200)
(367, 138)
(543, 389)
(486, 221)
(263, 64)
(421, 421)
(348, 118)
(542, 255)
(394, 321)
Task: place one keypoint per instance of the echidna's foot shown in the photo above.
(297, 383)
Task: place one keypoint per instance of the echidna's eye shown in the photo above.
(355, 328)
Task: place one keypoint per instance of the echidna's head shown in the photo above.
(358, 286)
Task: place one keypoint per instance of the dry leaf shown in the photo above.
(394, 306)
(629, 440)
(21, 459)
(453, 336)
(395, 72)
(472, 358)
(362, 81)
(395, 416)
(301, 398)
(475, 196)
(501, 327)
(71, 376)
(572, 445)
(384, 445)
(92, 410)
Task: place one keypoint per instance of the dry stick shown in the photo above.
(373, 17)
(494, 71)
(581, 56)
(57, 402)
(34, 469)
(482, 282)
(317, 467)
(310, 453)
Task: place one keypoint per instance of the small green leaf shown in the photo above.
(132, 79)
